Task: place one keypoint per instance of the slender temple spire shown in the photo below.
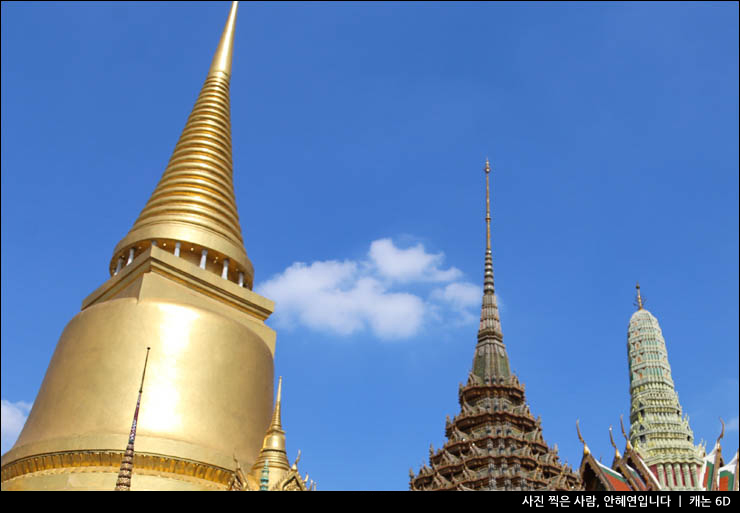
(194, 202)
(273, 447)
(494, 443)
(127, 463)
(658, 428)
(490, 361)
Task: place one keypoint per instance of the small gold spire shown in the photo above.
(639, 297)
(273, 445)
(586, 450)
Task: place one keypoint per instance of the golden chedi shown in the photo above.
(181, 284)
(272, 471)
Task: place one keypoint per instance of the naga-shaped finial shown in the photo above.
(611, 439)
(586, 450)
(297, 459)
(722, 433)
(624, 433)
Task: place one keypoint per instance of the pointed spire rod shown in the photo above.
(488, 207)
(490, 324)
(127, 462)
(488, 277)
(639, 297)
(276, 421)
(222, 57)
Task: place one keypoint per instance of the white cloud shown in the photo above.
(348, 297)
(333, 296)
(408, 265)
(461, 298)
(732, 424)
(13, 417)
(460, 294)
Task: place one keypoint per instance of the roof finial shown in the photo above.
(722, 433)
(624, 433)
(617, 456)
(222, 58)
(586, 450)
(639, 297)
(127, 462)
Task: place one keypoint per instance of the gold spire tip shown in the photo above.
(639, 297)
(488, 166)
(222, 58)
(276, 420)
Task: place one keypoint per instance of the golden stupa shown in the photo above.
(180, 284)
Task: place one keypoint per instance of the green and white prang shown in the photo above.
(658, 429)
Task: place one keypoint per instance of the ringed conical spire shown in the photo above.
(491, 359)
(658, 427)
(193, 208)
(494, 443)
(273, 446)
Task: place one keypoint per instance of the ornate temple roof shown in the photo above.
(627, 473)
(631, 473)
(659, 452)
(494, 443)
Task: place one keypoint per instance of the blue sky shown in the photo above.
(360, 131)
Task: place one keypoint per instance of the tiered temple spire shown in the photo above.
(658, 430)
(123, 483)
(490, 361)
(494, 443)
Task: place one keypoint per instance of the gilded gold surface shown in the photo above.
(95, 470)
(209, 382)
(273, 452)
(194, 202)
(209, 394)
